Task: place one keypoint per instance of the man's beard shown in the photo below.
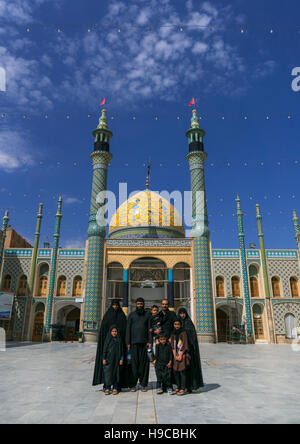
(140, 311)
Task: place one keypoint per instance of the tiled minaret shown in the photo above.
(3, 237)
(265, 275)
(101, 159)
(33, 268)
(248, 308)
(51, 287)
(204, 310)
(297, 229)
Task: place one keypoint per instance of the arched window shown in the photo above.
(77, 286)
(254, 287)
(220, 287)
(235, 287)
(6, 283)
(294, 287)
(61, 286)
(22, 286)
(290, 326)
(276, 287)
(43, 284)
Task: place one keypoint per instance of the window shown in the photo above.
(6, 283)
(235, 287)
(220, 287)
(43, 286)
(77, 286)
(294, 287)
(22, 286)
(61, 286)
(276, 287)
(254, 287)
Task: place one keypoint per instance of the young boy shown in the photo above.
(163, 365)
(112, 361)
(155, 323)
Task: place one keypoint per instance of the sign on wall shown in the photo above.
(6, 305)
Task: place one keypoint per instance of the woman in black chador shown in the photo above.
(114, 316)
(194, 371)
(112, 361)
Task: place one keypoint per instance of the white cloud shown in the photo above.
(71, 200)
(74, 243)
(14, 151)
(264, 69)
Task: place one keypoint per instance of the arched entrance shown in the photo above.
(258, 321)
(230, 327)
(72, 325)
(67, 321)
(38, 323)
(148, 279)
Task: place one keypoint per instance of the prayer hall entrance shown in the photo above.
(148, 280)
(38, 323)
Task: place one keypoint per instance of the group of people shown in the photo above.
(126, 348)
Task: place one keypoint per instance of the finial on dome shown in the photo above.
(195, 119)
(148, 175)
(103, 120)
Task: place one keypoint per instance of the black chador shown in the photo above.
(163, 356)
(138, 335)
(113, 353)
(194, 371)
(111, 317)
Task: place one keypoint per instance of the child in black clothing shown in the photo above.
(163, 365)
(155, 323)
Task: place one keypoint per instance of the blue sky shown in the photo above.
(236, 60)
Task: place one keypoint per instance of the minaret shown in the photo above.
(297, 229)
(248, 308)
(53, 271)
(101, 159)
(33, 268)
(204, 309)
(2, 241)
(265, 275)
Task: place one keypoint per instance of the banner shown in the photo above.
(6, 305)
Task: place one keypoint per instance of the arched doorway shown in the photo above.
(38, 323)
(148, 279)
(182, 283)
(290, 326)
(258, 321)
(230, 327)
(72, 325)
(223, 326)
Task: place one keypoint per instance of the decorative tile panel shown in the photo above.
(284, 269)
(281, 309)
(18, 253)
(225, 253)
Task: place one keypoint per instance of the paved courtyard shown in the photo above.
(51, 383)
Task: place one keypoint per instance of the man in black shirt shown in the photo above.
(167, 318)
(138, 338)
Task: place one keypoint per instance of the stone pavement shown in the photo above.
(51, 383)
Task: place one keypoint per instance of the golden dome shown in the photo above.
(147, 209)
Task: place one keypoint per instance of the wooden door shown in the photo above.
(37, 333)
(259, 328)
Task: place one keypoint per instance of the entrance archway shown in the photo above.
(258, 321)
(72, 325)
(38, 325)
(230, 326)
(148, 279)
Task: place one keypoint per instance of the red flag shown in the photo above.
(103, 102)
(192, 102)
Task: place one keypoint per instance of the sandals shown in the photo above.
(175, 392)
(181, 393)
(144, 389)
(107, 392)
(115, 392)
(133, 389)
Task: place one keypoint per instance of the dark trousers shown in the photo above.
(163, 375)
(180, 379)
(139, 368)
(115, 386)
